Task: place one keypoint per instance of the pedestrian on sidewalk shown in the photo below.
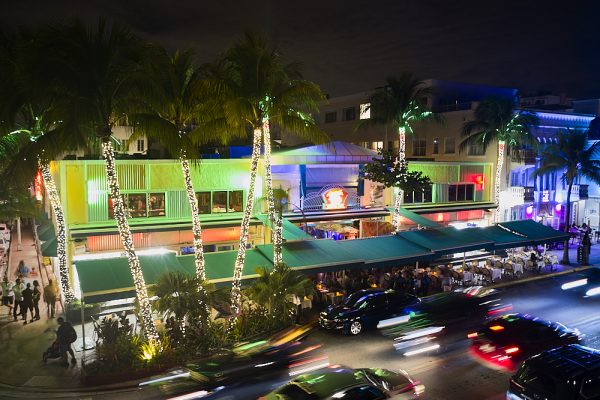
(27, 303)
(18, 290)
(7, 294)
(23, 270)
(37, 295)
(50, 295)
(65, 336)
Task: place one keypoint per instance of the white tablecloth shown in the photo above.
(517, 268)
(467, 276)
(496, 273)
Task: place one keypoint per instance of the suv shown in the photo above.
(366, 309)
(569, 372)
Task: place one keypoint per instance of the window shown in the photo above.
(376, 145)
(136, 204)
(476, 149)
(461, 192)
(236, 201)
(418, 196)
(449, 145)
(141, 145)
(156, 204)
(204, 202)
(349, 114)
(436, 145)
(330, 117)
(365, 111)
(419, 147)
(219, 204)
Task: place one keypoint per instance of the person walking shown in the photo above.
(65, 336)
(27, 303)
(18, 291)
(50, 295)
(7, 294)
(37, 295)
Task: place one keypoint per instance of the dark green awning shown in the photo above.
(447, 240)
(46, 232)
(49, 248)
(220, 265)
(535, 232)
(325, 254)
(502, 238)
(290, 231)
(416, 218)
(384, 251)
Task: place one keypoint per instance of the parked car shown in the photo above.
(568, 372)
(4, 232)
(345, 383)
(507, 341)
(244, 373)
(440, 322)
(365, 309)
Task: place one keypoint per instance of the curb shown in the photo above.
(540, 277)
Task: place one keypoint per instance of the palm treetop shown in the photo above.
(497, 120)
(402, 101)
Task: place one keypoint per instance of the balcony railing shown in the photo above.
(524, 156)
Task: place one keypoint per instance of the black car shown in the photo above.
(506, 341)
(246, 372)
(440, 322)
(366, 309)
(569, 372)
(346, 383)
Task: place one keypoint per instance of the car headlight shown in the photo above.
(338, 320)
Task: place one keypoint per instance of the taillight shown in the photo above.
(496, 328)
(500, 310)
(472, 335)
(511, 350)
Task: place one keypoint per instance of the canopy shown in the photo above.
(416, 218)
(447, 240)
(290, 231)
(535, 232)
(502, 238)
(336, 152)
(219, 265)
(46, 231)
(384, 251)
(49, 248)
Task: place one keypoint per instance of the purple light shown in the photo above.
(558, 207)
(529, 210)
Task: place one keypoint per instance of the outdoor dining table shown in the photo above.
(467, 276)
(517, 267)
(496, 273)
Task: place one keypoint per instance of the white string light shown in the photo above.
(236, 290)
(276, 232)
(402, 160)
(501, 145)
(196, 228)
(61, 231)
(147, 321)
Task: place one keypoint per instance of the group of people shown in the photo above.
(23, 298)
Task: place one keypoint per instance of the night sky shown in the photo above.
(351, 46)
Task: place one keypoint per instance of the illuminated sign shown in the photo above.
(479, 181)
(38, 186)
(335, 199)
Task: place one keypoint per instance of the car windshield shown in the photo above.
(386, 379)
(355, 299)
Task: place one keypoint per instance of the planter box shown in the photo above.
(108, 378)
(74, 315)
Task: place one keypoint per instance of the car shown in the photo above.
(338, 382)
(246, 372)
(507, 341)
(441, 321)
(568, 372)
(365, 309)
(585, 284)
(5, 232)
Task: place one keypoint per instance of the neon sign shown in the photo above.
(479, 181)
(335, 199)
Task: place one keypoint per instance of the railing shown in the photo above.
(524, 156)
(574, 193)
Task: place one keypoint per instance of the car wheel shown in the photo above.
(355, 327)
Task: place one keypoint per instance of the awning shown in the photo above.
(502, 238)
(447, 240)
(49, 248)
(46, 231)
(429, 208)
(290, 231)
(535, 232)
(337, 215)
(416, 218)
(384, 251)
(219, 265)
(322, 254)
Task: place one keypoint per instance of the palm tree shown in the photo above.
(93, 69)
(257, 88)
(26, 113)
(496, 120)
(400, 103)
(575, 157)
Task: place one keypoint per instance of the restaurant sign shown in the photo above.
(335, 199)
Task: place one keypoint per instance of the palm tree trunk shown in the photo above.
(402, 144)
(565, 259)
(61, 231)
(397, 205)
(276, 233)
(499, 164)
(236, 292)
(150, 332)
(196, 227)
(402, 160)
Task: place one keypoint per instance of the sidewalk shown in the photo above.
(21, 346)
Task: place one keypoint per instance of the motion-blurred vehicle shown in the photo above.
(507, 341)
(442, 320)
(585, 284)
(246, 372)
(344, 383)
(570, 372)
(365, 309)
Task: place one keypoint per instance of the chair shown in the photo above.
(508, 269)
(487, 275)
